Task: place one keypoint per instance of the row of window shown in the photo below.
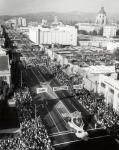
(110, 89)
(3, 78)
(104, 85)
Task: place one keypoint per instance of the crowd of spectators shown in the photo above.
(33, 135)
(94, 103)
(103, 113)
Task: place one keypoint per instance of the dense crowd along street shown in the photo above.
(42, 125)
(33, 133)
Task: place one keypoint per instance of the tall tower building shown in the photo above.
(101, 18)
(19, 20)
(24, 24)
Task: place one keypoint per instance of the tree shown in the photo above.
(94, 32)
(100, 32)
(117, 33)
(83, 32)
(116, 53)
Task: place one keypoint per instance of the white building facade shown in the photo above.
(109, 31)
(88, 27)
(110, 88)
(112, 46)
(64, 35)
(21, 22)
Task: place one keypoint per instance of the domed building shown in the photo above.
(101, 18)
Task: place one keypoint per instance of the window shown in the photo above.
(118, 95)
(111, 91)
(103, 85)
(3, 78)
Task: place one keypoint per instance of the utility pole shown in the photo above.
(35, 113)
(35, 122)
(21, 78)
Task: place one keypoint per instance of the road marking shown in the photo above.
(79, 140)
(95, 129)
(35, 75)
(54, 82)
(52, 119)
(61, 133)
(61, 116)
(38, 69)
(66, 143)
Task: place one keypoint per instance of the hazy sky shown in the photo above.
(30, 6)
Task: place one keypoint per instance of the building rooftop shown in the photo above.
(111, 80)
(8, 118)
(4, 63)
(101, 69)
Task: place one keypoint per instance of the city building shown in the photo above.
(79, 55)
(64, 35)
(21, 22)
(24, 30)
(109, 31)
(56, 22)
(101, 18)
(16, 22)
(96, 41)
(33, 24)
(92, 75)
(88, 27)
(44, 22)
(24, 23)
(5, 74)
(12, 23)
(109, 87)
(113, 45)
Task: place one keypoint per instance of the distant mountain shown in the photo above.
(67, 18)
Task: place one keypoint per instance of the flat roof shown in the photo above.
(8, 117)
(4, 63)
(101, 69)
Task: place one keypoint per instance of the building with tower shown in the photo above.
(56, 22)
(44, 22)
(101, 18)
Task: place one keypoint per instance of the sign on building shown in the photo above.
(76, 87)
(41, 90)
(60, 88)
(44, 57)
(23, 58)
(41, 64)
(117, 67)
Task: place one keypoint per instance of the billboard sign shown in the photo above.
(60, 88)
(117, 67)
(41, 90)
(23, 58)
(76, 87)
